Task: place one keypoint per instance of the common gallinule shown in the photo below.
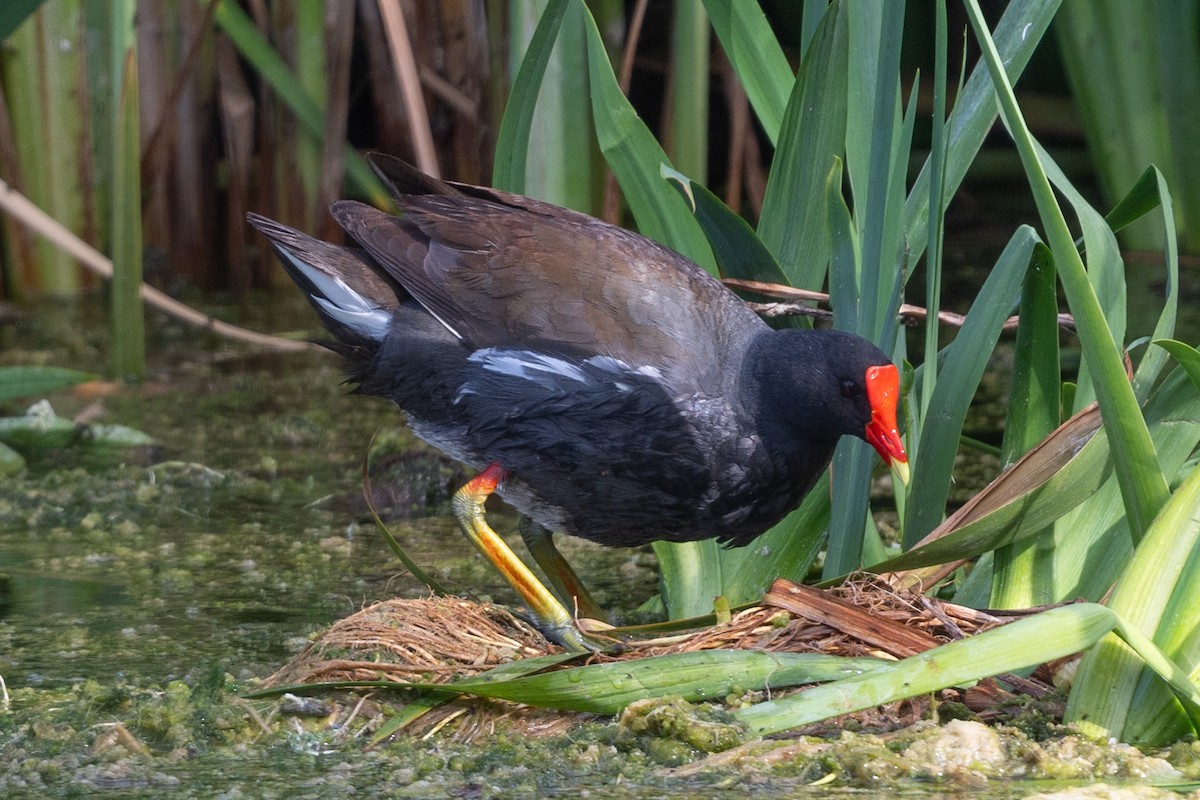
(605, 386)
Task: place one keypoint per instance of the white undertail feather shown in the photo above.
(344, 304)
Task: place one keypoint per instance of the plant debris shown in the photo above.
(442, 639)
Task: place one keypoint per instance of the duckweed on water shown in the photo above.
(199, 738)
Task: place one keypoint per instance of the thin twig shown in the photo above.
(354, 713)
(909, 314)
(631, 42)
(771, 310)
(451, 95)
(395, 30)
(37, 220)
(253, 714)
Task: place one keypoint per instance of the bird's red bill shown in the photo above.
(883, 395)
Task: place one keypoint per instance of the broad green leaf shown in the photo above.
(690, 45)
(760, 64)
(609, 687)
(704, 675)
(1033, 408)
(1069, 477)
(114, 436)
(37, 431)
(507, 671)
(1020, 576)
(312, 73)
(1154, 715)
(1143, 488)
(691, 575)
(793, 225)
(1017, 36)
(739, 253)
(127, 317)
(1103, 37)
(844, 253)
(1153, 361)
(1105, 269)
(1174, 416)
(424, 702)
(846, 541)
(42, 428)
(965, 359)
(1092, 545)
(512, 142)
(1137, 110)
(1187, 356)
(15, 12)
(636, 158)
(556, 149)
(1027, 642)
(810, 20)
(1157, 596)
(410, 713)
(886, 304)
(937, 213)
(28, 381)
(1148, 193)
(878, 140)
(1177, 58)
(873, 146)
(1138, 201)
(1095, 533)
(49, 116)
(427, 702)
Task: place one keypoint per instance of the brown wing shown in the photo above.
(499, 275)
(404, 180)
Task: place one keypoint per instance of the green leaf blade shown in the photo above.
(19, 381)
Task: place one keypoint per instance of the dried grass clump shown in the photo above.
(439, 639)
(865, 616)
(430, 640)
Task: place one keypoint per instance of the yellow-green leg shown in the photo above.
(561, 575)
(551, 616)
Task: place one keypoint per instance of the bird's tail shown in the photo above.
(355, 302)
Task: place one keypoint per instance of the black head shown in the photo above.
(809, 388)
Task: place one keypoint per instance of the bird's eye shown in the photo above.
(850, 388)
